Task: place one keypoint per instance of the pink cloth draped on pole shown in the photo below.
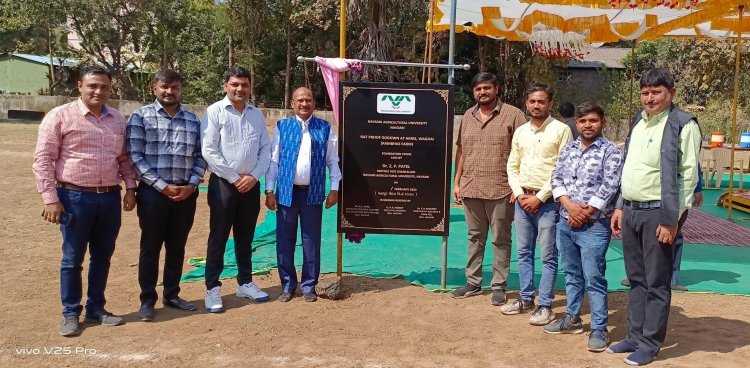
(330, 68)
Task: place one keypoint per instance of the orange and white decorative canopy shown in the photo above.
(596, 21)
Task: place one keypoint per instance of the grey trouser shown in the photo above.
(483, 215)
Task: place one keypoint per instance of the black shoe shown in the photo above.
(309, 297)
(179, 303)
(146, 313)
(104, 318)
(498, 297)
(285, 297)
(466, 291)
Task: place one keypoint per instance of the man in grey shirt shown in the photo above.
(237, 148)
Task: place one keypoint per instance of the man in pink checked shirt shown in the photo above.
(79, 163)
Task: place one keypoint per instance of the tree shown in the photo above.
(112, 33)
(37, 27)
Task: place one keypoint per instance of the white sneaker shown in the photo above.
(252, 291)
(542, 316)
(213, 300)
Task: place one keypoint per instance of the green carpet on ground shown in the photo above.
(417, 259)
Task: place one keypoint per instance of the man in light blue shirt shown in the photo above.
(237, 148)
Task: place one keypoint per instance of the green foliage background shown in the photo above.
(200, 38)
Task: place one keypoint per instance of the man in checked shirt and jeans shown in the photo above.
(585, 182)
(164, 143)
(79, 163)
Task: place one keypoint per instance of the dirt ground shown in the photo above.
(380, 323)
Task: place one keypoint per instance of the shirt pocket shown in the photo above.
(549, 148)
(650, 155)
(250, 134)
(191, 139)
(113, 139)
(116, 144)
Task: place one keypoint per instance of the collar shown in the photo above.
(85, 109)
(225, 103)
(547, 121)
(159, 107)
(656, 119)
(304, 123)
(498, 106)
(599, 141)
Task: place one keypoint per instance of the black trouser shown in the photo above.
(230, 210)
(162, 221)
(648, 265)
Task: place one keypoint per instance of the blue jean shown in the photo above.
(678, 242)
(310, 219)
(529, 226)
(583, 258)
(95, 224)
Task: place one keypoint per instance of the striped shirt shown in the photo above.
(485, 146)
(165, 150)
(76, 147)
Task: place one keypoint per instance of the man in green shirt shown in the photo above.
(659, 177)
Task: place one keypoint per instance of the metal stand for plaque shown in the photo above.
(450, 65)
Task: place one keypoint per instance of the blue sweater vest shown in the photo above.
(290, 138)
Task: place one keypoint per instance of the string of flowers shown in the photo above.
(686, 4)
(553, 43)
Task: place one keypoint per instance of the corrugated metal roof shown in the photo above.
(70, 62)
(607, 57)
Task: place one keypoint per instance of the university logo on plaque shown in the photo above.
(396, 151)
(396, 104)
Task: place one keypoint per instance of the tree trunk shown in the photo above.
(52, 79)
(287, 70)
(252, 82)
(482, 65)
(165, 52)
(231, 50)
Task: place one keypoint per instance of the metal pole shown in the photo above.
(452, 41)
(342, 54)
(444, 271)
(340, 255)
(427, 47)
(632, 83)
(398, 63)
(735, 99)
(342, 30)
(451, 80)
(432, 37)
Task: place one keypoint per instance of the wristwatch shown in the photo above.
(269, 192)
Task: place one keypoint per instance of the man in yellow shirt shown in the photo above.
(658, 180)
(534, 151)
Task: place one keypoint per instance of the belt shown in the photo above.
(98, 190)
(530, 191)
(533, 192)
(303, 188)
(641, 205)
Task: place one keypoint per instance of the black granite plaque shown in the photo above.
(395, 149)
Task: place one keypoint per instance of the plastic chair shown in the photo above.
(720, 164)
